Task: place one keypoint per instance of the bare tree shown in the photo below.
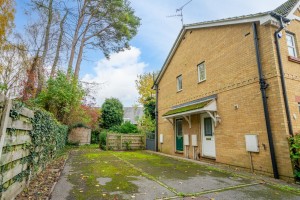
(13, 62)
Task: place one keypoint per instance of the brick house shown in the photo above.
(229, 90)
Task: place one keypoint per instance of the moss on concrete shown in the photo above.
(86, 173)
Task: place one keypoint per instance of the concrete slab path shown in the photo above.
(93, 174)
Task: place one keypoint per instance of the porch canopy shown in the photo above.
(186, 110)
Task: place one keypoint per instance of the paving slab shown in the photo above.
(205, 183)
(257, 192)
(94, 174)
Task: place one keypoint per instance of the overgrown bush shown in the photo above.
(61, 96)
(295, 154)
(95, 136)
(79, 125)
(102, 139)
(126, 127)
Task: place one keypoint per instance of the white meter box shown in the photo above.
(161, 138)
(194, 141)
(186, 140)
(252, 143)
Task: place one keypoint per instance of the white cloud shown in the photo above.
(117, 76)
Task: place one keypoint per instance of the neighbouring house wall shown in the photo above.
(232, 74)
(81, 135)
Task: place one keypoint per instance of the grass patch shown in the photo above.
(285, 188)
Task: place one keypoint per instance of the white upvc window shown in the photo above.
(179, 83)
(201, 72)
(290, 38)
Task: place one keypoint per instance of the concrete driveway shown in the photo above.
(94, 174)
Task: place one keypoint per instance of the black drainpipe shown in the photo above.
(285, 98)
(263, 88)
(156, 118)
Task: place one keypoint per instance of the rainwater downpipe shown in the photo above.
(285, 98)
(156, 118)
(263, 88)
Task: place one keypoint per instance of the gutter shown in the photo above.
(263, 88)
(283, 85)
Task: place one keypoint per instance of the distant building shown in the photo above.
(133, 114)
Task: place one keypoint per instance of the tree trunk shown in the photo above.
(75, 39)
(79, 59)
(29, 88)
(41, 77)
(61, 26)
(80, 53)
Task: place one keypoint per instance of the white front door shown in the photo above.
(208, 137)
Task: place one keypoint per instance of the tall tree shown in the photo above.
(13, 64)
(144, 85)
(49, 10)
(59, 43)
(106, 25)
(7, 13)
(111, 113)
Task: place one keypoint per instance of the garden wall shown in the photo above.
(81, 135)
(28, 141)
(120, 142)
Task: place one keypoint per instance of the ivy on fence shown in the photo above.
(48, 136)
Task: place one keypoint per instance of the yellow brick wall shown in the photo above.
(232, 74)
(292, 74)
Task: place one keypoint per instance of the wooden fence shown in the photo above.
(120, 142)
(13, 137)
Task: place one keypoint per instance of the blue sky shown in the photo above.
(153, 42)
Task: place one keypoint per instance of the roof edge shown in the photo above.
(263, 18)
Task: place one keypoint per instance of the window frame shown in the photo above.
(294, 47)
(198, 72)
(299, 107)
(177, 82)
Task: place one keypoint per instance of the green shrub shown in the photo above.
(112, 113)
(95, 136)
(102, 139)
(79, 125)
(295, 154)
(126, 127)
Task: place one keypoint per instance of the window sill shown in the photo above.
(294, 59)
(179, 91)
(201, 81)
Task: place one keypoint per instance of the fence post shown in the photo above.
(121, 142)
(4, 122)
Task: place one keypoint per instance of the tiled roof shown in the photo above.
(286, 8)
(132, 114)
(187, 108)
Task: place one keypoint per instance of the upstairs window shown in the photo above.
(290, 38)
(179, 83)
(299, 106)
(201, 72)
